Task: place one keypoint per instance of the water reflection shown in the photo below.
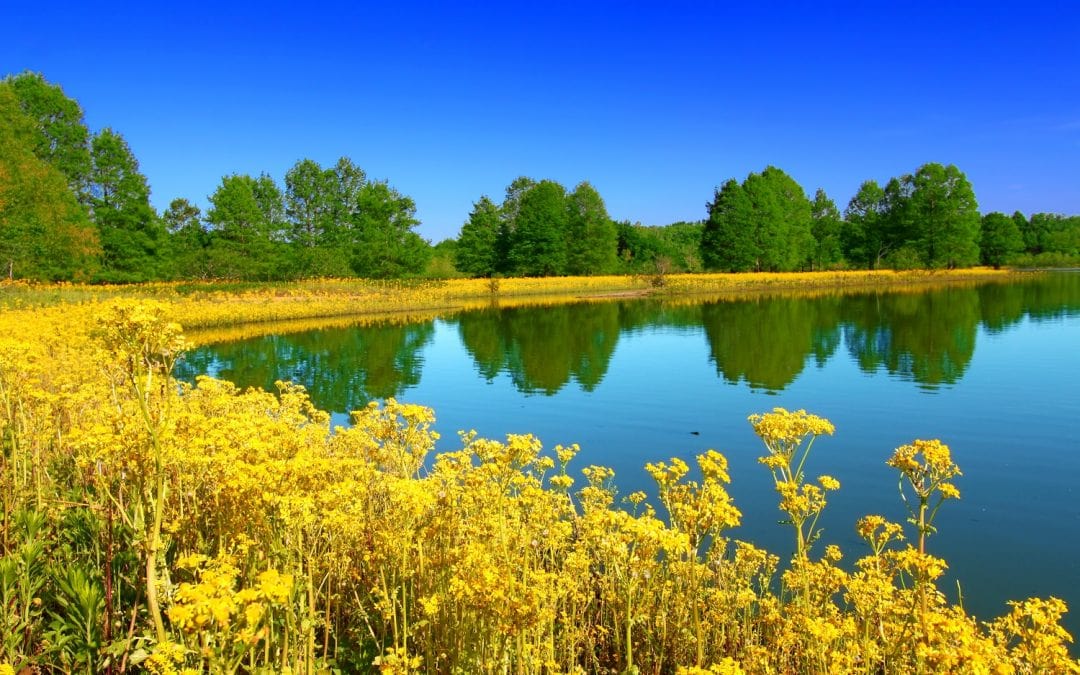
(927, 337)
(766, 342)
(543, 348)
(343, 368)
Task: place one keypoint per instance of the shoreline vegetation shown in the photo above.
(198, 306)
(147, 525)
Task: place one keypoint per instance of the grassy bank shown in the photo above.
(217, 304)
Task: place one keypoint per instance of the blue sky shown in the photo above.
(655, 104)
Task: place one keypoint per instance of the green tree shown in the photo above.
(441, 264)
(899, 225)
(781, 220)
(592, 241)
(945, 216)
(133, 239)
(639, 247)
(319, 206)
(182, 217)
(383, 243)
(538, 242)
(1024, 226)
(680, 243)
(247, 229)
(188, 239)
(508, 213)
(727, 240)
(1065, 238)
(45, 233)
(309, 199)
(1000, 240)
(864, 237)
(767, 226)
(62, 139)
(826, 226)
(1054, 233)
(798, 245)
(477, 247)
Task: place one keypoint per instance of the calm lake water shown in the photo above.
(992, 370)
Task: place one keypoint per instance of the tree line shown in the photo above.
(75, 206)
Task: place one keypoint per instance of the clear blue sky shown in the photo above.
(655, 104)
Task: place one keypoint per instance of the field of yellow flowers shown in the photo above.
(152, 526)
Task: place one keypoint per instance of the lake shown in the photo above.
(992, 370)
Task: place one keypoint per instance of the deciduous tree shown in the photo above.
(383, 243)
(591, 237)
(61, 139)
(477, 247)
(863, 236)
(1000, 240)
(188, 239)
(945, 216)
(727, 241)
(826, 226)
(45, 233)
(247, 229)
(133, 239)
(538, 242)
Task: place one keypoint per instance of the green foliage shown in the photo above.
(538, 244)
(247, 229)
(762, 225)
(44, 233)
(781, 220)
(592, 240)
(133, 240)
(540, 230)
(638, 246)
(826, 226)
(727, 242)
(188, 239)
(662, 249)
(441, 264)
(61, 138)
(945, 216)
(863, 237)
(23, 576)
(319, 206)
(382, 242)
(926, 219)
(1053, 233)
(74, 632)
(508, 212)
(1001, 239)
(477, 245)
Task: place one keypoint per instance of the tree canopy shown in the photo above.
(763, 224)
(45, 234)
(539, 230)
